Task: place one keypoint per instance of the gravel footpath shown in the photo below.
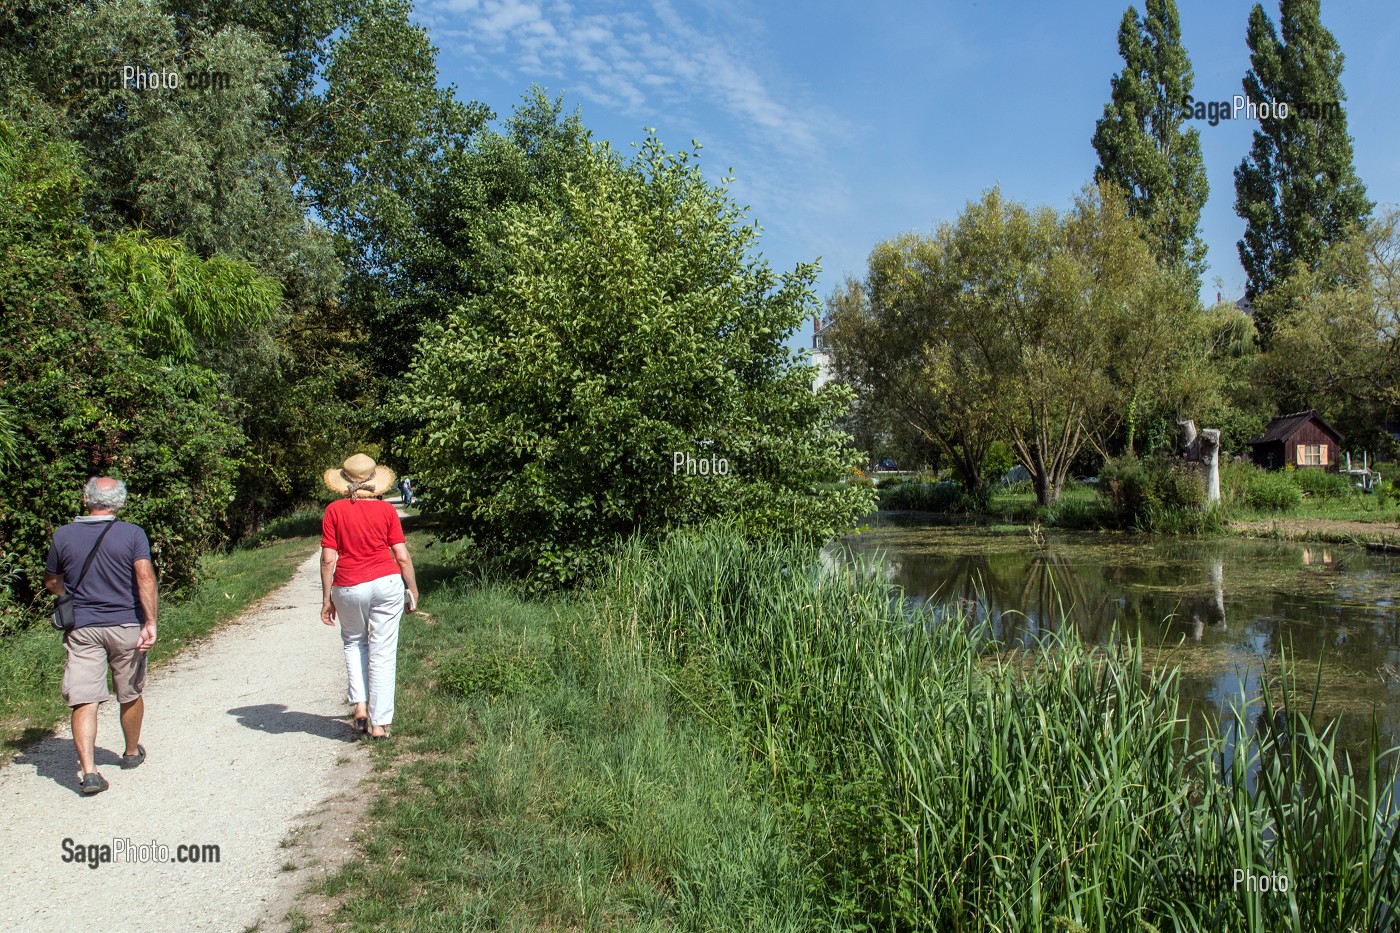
(246, 737)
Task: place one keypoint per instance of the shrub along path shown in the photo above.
(246, 734)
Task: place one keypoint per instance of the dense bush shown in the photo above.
(635, 323)
(1272, 492)
(925, 497)
(84, 399)
(1320, 484)
(1152, 493)
(1244, 485)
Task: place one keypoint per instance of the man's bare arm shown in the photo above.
(53, 582)
(146, 591)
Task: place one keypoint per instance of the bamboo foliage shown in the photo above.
(175, 302)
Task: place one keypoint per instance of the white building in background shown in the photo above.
(821, 356)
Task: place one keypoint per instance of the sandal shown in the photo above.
(380, 738)
(92, 783)
(134, 761)
(361, 725)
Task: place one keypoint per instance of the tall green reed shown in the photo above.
(939, 783)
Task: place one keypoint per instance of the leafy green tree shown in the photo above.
(1025, 325)
(1337, 347)
(202, 173)
(205, 165)
(460, 241)
(898, 340)
(1220, 389)
(331, 112)
(1140, 142)
(633, 325)
(379, 135)
(1297, 190)
(463, 215)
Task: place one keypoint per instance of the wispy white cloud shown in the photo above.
(701, 68)
(639, 60)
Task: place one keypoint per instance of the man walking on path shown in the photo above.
(114, 609)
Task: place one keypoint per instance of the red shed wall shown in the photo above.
(1310, 433)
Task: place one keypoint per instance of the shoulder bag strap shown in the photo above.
(91, 554)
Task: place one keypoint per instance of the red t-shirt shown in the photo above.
(361, 532)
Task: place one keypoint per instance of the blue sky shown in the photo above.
(845, 123)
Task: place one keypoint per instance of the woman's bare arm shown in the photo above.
(405, 562)
(329, 556)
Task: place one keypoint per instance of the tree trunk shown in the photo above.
(1210, 451)
(1048, 485)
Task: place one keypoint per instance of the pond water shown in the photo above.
(1223, 609)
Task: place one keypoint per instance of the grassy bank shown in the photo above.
(720, 736)
(31, 661)
(934, 782)
(545, 775)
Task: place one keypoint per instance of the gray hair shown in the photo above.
(103, 492)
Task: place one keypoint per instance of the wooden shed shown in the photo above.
(1302, 440)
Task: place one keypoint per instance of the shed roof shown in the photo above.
(1284, 426)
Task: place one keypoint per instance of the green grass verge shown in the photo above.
(31, 661)
(547, 774)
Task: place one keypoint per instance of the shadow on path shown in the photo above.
(276, 719)
(55, 759)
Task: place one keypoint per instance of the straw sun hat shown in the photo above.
(361, 473)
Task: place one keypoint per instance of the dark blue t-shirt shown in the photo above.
(108, 594)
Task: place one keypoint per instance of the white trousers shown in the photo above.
(369, 616)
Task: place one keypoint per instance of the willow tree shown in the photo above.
(894, 338)
(1024, 324)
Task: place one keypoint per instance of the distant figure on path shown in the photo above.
(406, 487)
(366, 575)
(114, 609)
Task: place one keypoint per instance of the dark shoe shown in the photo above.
(93, 783)
(134, 761)
(361, 725)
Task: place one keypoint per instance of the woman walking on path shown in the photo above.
(366, 574)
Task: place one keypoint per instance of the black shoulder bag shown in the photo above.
(63, 619)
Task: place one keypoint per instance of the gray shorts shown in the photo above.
(94, 648)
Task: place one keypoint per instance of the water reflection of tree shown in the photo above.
(1024, 596)
(1020, 597)
(1208, 611)
(1318, 601)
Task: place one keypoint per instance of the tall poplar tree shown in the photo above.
(1141, 145)
(1297, 190)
